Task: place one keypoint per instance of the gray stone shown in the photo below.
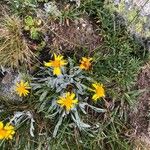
(7, 85)
(136, 14)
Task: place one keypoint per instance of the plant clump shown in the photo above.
(68, 71)
(14, 50)
(71, 85)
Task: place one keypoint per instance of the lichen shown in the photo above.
(136, 15)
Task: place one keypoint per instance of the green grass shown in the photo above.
(117, 64)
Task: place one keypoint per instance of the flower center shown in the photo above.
(2, 132)
(100, 91)
(22, 89)
(86, 64)
(56, 63)
(67, 102)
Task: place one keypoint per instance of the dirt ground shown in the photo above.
(140, 115)
(72, 36)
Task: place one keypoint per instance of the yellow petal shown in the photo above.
(26, 84)
(1, 125)
(60, 101)
(48, 64)
(8, 127)
(75, 101)
(17, 84)
(55, 56)
(67, 94)
(82, 66)
(10, 137)
(84, 58)
(20, 94)
(94, 85)
(21, 83)
(95, 97)
(63, 62)
(13, 132)
(69, 107)
(25, 93)
(57, 71)
(60, 57)
(72, 96)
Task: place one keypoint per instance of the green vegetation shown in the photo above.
(14, 50)
(40, 123)
(137, 23)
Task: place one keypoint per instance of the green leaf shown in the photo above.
(42, 97)
(34, 33)
(29, 21)
(52, 115)
(92, 107)
(58, 124)
(81, 125)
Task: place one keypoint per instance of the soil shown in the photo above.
(140, 115)
(76, 37)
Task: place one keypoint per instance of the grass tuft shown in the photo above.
(14, 50)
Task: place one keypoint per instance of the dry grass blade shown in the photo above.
(14, 50)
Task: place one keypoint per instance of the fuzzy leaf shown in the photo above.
(92, 107)
(32, 127)
(81, 125)
(58, 124)
(52, 115)
(42, 97)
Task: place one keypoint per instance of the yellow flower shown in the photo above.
(57, 63)
(7, 131)
(85, 63)
(22, 88)
(98, 90)
(2, 132)
(68, 101)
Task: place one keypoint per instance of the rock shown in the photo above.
(7, 85)
(136, 14)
